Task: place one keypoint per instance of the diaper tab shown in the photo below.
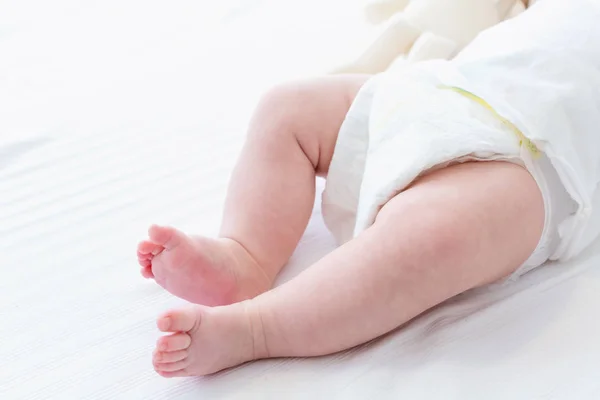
(523, 140)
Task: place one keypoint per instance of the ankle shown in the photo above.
(251, 277)
(253, 314)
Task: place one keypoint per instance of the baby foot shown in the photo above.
(201, 270)
(204, 340)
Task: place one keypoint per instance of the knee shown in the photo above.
(448, 239)
(282, 118)
(282, 104)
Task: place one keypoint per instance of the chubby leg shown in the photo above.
(291, 140)
(453, 230)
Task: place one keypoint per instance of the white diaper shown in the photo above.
(403, 125)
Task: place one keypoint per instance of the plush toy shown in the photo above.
(426, 29)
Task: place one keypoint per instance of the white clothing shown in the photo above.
(539, 72)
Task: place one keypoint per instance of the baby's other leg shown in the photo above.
(291, 140)
(455, 229)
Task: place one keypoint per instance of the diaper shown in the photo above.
(406, 124)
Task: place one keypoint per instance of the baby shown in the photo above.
(441, 178)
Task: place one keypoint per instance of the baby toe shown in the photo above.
(171, 367)
(175, 342)
(145, 246)
(144, 256)
(174, 374)
(144, 262)
(169, 356)
(149, 247)
(146, 272)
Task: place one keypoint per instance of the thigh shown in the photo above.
(307, 112)
(482, 220)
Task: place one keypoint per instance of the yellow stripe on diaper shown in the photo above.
(523, 140)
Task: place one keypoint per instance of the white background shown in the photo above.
(117, 114)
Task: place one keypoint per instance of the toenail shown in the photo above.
(162, 346)
(164, 323)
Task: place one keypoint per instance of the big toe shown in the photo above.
(183, 320)
(166, 236)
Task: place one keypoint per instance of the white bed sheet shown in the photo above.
(118, 114)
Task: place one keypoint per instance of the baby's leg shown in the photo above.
(290, 140)
(455, 229)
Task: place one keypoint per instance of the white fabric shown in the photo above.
(541, 71)
(114, 115)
